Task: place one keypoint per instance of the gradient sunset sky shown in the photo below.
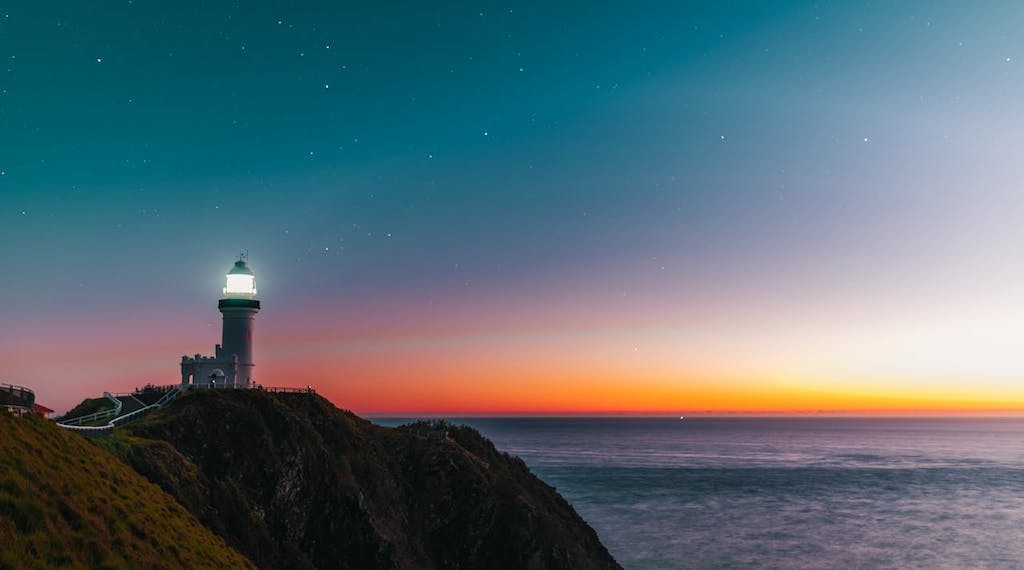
(510, 207)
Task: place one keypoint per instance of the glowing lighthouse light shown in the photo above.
(241, 283)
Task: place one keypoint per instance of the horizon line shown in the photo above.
(953, 413)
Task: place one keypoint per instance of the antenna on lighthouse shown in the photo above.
(243, 256)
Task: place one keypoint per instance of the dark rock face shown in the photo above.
(292, 482)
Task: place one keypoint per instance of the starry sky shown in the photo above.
(514, 207)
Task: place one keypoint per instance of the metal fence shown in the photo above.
(259, 388)
(286, 389)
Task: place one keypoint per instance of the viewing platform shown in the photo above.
(17, 399)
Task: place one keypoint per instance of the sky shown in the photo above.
(516, 207)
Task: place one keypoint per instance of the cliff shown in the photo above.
(64, 502)
(291, 481)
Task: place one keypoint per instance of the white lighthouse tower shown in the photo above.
(232, 364)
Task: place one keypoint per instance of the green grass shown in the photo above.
(66, 502)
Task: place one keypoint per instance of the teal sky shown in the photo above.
(746, 168)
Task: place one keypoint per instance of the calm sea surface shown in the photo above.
(785, 492)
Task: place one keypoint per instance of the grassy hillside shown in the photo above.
(65, 502)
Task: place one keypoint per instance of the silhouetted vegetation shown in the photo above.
(150, 394)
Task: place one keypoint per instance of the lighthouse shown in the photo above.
(232, 364)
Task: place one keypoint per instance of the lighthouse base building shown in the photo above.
(231, 365)
(217, 371)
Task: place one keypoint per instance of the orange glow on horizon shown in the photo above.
(411, 388)
(426, 365)
(595, 372)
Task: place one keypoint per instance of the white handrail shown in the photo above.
(170, 395)
(96, 416)
(117, 403)
(119, 420)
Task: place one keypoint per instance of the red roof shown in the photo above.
(41, 409)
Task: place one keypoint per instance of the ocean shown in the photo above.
(784, 492)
